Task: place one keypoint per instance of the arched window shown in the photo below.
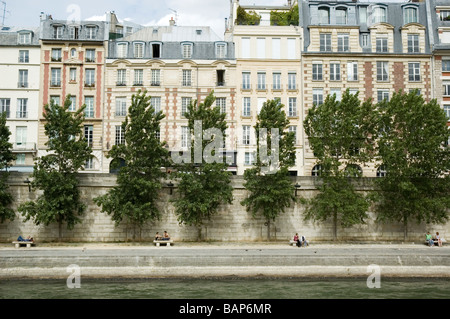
(324, 15)
(379, 15)
(353, 170)
(341, 15)
(116, 165)
(410, 15)
(316, 171)
(381, 171)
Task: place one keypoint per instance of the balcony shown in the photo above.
(89, 85)
(21, 85)
(24, 147)
(121, 83)
(155, 83)
(55, 84)
(138, 84)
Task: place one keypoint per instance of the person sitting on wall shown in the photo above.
(303, 241)
(429, 239)
(297, 240)
(438, 239)
(166, 236)
(158, 236)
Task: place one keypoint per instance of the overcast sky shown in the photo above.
(25, 13)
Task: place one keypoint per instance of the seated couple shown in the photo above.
(165, 236)
(300, 240)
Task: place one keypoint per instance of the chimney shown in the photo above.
(171, 22)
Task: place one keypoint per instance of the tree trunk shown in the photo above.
(335, 226)
(268, 230)
(60, 230)
(199, 233)
(405, 229)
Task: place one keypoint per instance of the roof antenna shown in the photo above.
(176, 15)
(4, 12)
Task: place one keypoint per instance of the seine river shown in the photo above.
(357, 288)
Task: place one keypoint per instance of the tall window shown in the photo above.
(221, 52)
(246, 106)
(352, 71)
(185, 136)
(382, 71)
(73, 75)
(156, 103)
(261, 80)
(139, 77)
(22, 108)
(21, 135)
(91, 33)
(185, 102)
(90, 78)
(414, 71)
(138, 50)
(343, 42)
(317, 96)
(382, 44)
(292, 112)
(363, 15)
(336, 92)
(341, 16)
(446, 89)
(277, 81)
(447, 112)
(24, 56)
(187, 51)
(122, 49)
(24, 38)
(56, 77)
(292, 81)
(316, 170)
(445, 65)
(383, 95)
(293, 129)
(5, 106)
(246, 134)
(121, 77)
(249, 158)
(186, 78)
(324, 15)
(120, 135)
(90, 55)
(23, 79)
(58, 32)
(325, 42)
(56, 55)
(246, 80)
(121, 106)
(89, 111)
(73, 104)
(413, 43)
(221, 102)
(156, 50)
(379, 15)
(409, 15)
(89, 134)
(335, 71)
(317, 71)
(156, 77)
(74, 32)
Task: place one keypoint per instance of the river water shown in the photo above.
(356, 288)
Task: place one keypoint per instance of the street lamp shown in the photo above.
(297, 187)
(171, 185)
(28, 182)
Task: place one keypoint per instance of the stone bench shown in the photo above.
(292, 242)
(167, 242)
(17, 244)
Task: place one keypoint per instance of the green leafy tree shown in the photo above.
(6, 157)
(270, 189)
(342, 135)
(135, 198)
(412, 148)
(55, 174)
(204, 182)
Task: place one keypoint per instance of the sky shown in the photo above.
(25, 13)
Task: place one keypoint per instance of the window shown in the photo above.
(249, 158)
(24, 38)
(292, 81)
(382, 44)
(56, 55)
(379, 15)
(156, 103)
(90, 55)
(21, 135)
(260, 103)
(245, 48)
(73, 75)
(24, 56)
(56, 77)
(409, 15)
(261, 80)
(89, 134)
(139, 77)
(276, 48)
(277, 81)
(353, 170)
(221, 50)
(324, 15)
(447, 111)
(381, 171)
(121, 106)
(343, 42)
(317, 71)
(341, 16)
(246, 80)
(138, 50)
(292, 112)
(73, 53)
(246, 134)
(445, 65)
(89, 102)
(186, 51)
(446, 89)
(352, 71)
(58, 32)
(221, 102)
(122, 49)
(90, 78)
(89, 164)
(292, 52)
(20, 159)
(156, 77)
(185, 102)
(382, 71)
(325, 42)
(336, 92)
(56, 99)
(73, 104)
(186, 78)
(22, 108)
(293, 129)
(5, 106)
(120, 135)
(261, 48)
(365, 40)
(317, 96)
(156, 50)
(444, 15)
(185, 136)
(23, 79)
(220, 77)
(91, 33)
(363, 15)
(246, 106)
(414, 71)
(413, 43)
(335, 71)
(121, 77)
(383, 95)
(74, 32)
(316, 170)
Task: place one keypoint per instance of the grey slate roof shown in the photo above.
(9, 36)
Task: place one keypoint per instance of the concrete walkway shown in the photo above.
(223, 259)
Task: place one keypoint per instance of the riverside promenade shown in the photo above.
(200, 260)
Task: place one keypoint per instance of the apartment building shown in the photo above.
(72, 63)
(268, 67)
(19, 91)
(372, 48)
(176, 65)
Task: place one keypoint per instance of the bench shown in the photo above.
(17, 244)
(167, 242)
(292, 242)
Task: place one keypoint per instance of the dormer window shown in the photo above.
(156, 50)
(91, 32)
(138, 50)
(24, 38)
(74, 32)
(324, 15)
(122, 49)
(187, 50)
(341, 15)
(444, 15)
(379, 15)
(410, 15)
(58, 31)
(221, 50)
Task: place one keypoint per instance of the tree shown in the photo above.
(204, 182)
(56, 173)
(412, 148)
(6, 157)
(135, 198)
(342, 135)
(268, 183)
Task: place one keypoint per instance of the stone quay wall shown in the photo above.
(231, 224)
